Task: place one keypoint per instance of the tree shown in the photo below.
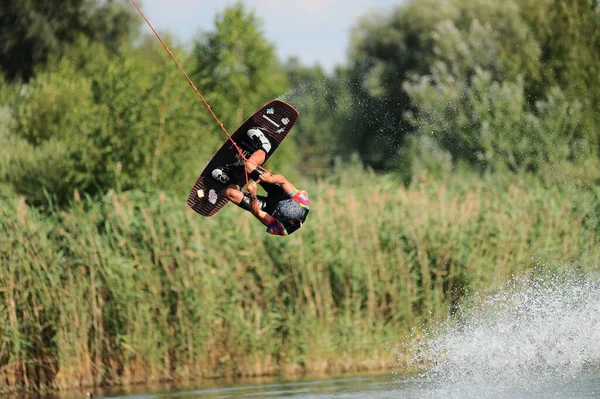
(236, 65)
(33, 32)
(385, 50)
(497, 110)
(325, 104)
(238, 72)
(569, 36)
(96, 122)
(388, 51)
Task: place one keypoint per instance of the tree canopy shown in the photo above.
(477, 84)
(497, 85)
(31, 32)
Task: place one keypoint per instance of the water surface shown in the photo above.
(584, 385)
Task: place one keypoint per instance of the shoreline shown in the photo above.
(199, 382)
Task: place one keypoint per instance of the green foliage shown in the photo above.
(132, 121)
(115, 280)
(96, 123)
(134, 287)
(488, 124)
(479, 111)
(485, 84)
(238, 71)
(423, 155)
(7, 141)
(496, 84)
(31, 32)
(569, 35)
(325, 106)
(236, 66)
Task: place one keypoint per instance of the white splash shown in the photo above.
(527, 338)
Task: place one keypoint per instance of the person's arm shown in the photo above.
(287, 187)
(261, 215)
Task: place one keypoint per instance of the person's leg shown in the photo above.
(254, 164)
(242, 200)
(260, 147)
(234, 194)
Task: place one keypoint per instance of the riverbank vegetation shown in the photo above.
(134, 287)
(458, 146)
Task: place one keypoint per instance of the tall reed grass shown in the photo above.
(136, 288)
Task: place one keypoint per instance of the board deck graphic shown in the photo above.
(276, 119)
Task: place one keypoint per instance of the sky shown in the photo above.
(316, 31)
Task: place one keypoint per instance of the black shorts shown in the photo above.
(275, 195)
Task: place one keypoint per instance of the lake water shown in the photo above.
(530, 339)
(584, 385)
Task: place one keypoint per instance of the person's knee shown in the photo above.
(232, 192)
(255, 160)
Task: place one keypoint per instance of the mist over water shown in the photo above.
(531, 338)
(332, 107)
(303, 96)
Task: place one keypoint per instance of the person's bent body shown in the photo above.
(284, 209)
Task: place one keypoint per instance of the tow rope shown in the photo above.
(238, 149)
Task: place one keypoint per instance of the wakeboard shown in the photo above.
(276, 119)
